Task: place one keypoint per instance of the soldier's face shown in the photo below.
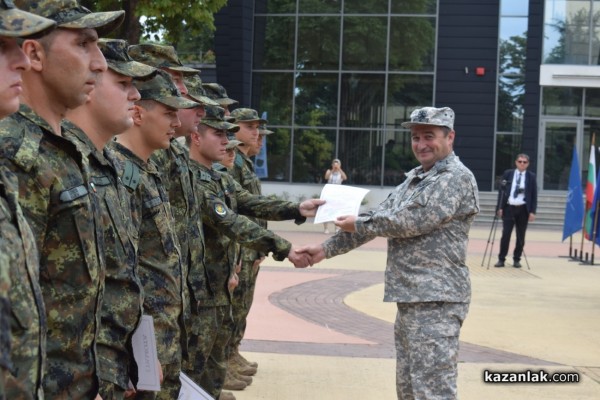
(248, 133)
(13, 62)
(190, 118)
(227, 161)
(429, 144)
(212, 143)
(112, 103)
(159, 124)
(71, 66)
(178, 80)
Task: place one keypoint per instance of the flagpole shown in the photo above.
(594, 232)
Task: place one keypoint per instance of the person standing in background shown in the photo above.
(335, 175)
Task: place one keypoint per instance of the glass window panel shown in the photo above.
(507, 147)
(364, 43)
(592, 103)
(595, 56)
(562, 101)
(318, 43)
(274, 6)
(272, 92)
(514, 7)
(412, 44)
(316, 99)
(274, 42)
(362, 100)
(567, 32)
(511, 96)
(319, 6)
(513, 45)
(360, 153)
(399, 157)
(405, 93)
(278, 154)
(366, 6)
(414, 7)
(313, 151)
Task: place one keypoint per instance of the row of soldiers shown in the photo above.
(111, 207)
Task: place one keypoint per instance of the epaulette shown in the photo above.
(205, 176)
(101, 180)
(239, 160)
(68, 195)
(215, 175)
(131, 175)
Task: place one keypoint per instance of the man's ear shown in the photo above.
(36, 54)
(138, 115)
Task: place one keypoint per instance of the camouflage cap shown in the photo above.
(215, 118)
(262, 130)
(196, 91)
(19, 23)
(218, 94)
(69, 14)
(431, 116)
(162, 89)
(247, 115)
(159, 56)
(233, 143)
(115, 53)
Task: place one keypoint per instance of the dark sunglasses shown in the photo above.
(523, 162)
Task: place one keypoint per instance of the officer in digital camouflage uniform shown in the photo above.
(58, 203)
(224, 204)
(426, 220)
(108, 112)
(25, 327)
(218, 93)
(160, 268)
(243, 172)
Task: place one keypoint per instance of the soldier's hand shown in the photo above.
(300, 260)
(346, 223)
(315, 251)
(256, 264)
(308, 208)
(98, 397)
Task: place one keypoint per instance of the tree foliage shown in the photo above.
(169, 20)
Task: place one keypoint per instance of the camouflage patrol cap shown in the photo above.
(431, 116)
(196, 92)
(247, 115)
(161, 88)
(69, 14)
(233, 143)
(159, 56)
(115, 53)
(218, 94)
(262, 130)
(19, 23)
(215, 118)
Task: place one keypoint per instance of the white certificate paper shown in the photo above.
(143, 342)
(190, 390)
(340, 200)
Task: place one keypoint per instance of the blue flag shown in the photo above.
(574, 207)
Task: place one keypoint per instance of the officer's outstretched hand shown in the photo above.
(300, 260)
(308, 208)
(315, 251)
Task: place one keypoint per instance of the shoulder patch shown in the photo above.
(220, 209)
(131, 175)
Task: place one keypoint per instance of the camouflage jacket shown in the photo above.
(243, 173)
(122, 302)
(19, 265)
(224, 205)
(173, 163)
(62, 213)
(160, 269)
(426, 220)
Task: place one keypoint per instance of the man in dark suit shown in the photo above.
(517, 203)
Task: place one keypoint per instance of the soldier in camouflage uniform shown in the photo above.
(426, 220)
(243, 172)
(109, 111)
(22, 331)
(59, 204)
(225, 230)
(218, 93)
(160, 269)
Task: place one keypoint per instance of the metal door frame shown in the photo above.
(578, 122)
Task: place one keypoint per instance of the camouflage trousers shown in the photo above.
(426, 336)
(208, 348)
(242, 298)
(169, 388)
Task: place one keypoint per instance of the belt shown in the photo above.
(520, 205)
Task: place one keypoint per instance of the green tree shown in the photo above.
(166, 19)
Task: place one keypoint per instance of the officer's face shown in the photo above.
(71, 65)
(429, 144)
(112, 102)
(12, 62)
(159, 124)
(248, 133)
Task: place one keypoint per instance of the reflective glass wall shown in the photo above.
(336, 79)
